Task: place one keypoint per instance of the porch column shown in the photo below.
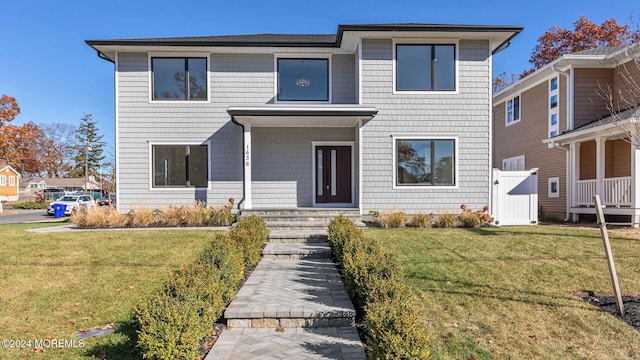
(247, 165)
(600, 156)
(635, 188)
(573, 166)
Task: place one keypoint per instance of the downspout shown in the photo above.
(570, 124)
(233, 120)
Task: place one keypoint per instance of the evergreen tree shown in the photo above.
(87, 149)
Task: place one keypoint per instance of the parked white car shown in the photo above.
(72, 202)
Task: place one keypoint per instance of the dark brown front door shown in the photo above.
(333, 174)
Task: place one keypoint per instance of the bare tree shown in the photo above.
(623, 96)
(60, 137)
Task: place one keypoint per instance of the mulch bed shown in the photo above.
(608, 303)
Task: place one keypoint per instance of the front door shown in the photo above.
(333, 174)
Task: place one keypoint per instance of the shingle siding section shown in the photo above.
(464, 115)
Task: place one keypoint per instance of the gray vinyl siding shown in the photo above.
(283, 163)
(465, 115)
(233, 79)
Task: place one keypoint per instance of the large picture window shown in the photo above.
(179, 78)
(180, 166)
(425, 67)
(425, 162)
(303, 79)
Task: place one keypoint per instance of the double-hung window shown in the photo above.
(176, 166)
(3, 180)
(12, 181)
(179, 78)
(303, 79)
(425, 162)
(513, 110)
(425, 67)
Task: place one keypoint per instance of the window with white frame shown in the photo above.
(176, 166)
(12, 181)
(424, 162)
(515, 163)
(425, 67)
(554, 187)
(3, 180)
(554, 107)
(303, 79)
(513, 110)
(179, 78)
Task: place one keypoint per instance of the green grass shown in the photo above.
(513, 292)
(58, 283)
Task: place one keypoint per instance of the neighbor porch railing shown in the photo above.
(615, 191)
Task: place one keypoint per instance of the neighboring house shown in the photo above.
(557, 119)
(9, 182)
(373, 117)
(67, 184)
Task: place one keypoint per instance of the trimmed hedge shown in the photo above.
(181, 314)
(374, 281)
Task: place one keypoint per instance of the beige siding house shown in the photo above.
(559, 120)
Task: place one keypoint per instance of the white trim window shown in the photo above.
(3, 180)
(179, 79)
(12, 181)
(554, 187)
(513, 110)
(179, 166)
(423, 161)
(302, 79)
(554, 107)
(515, 163)
(424, 67)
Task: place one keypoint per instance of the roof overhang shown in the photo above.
(301, 115)
(602, 128)
(344, 42)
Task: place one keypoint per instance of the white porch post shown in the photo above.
(600, 153)
(575, 169)
(635, 189)
(247, 165)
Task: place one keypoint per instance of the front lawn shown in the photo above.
(55, 284)
(514, 292)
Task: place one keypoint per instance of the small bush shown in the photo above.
(447, 220)
(114, 218)
(31, 205)
(250, 234)
(227, 257)
(393, 219)
(422, 220)
(473, 219)
(80, 218)
(172, 216)
(143, 217)
(222, 216)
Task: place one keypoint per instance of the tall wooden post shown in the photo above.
(607, 249)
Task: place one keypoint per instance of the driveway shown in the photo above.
(11, 216)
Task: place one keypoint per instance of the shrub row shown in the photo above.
(467, 218)
(193, 214)
(31, 205)
(181, 314)
(374, 281)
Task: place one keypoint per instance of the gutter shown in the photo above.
(233, 120)
(104, 57)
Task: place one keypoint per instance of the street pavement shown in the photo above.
(19, 216)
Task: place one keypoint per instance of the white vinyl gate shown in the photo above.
(515, 197)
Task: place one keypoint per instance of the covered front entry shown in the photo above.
(333, 174)
(301, 156)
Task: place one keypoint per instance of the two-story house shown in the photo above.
(571, 119)
(370, 118)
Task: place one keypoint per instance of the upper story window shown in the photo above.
(303, 79)
(513, 110)
(180, 166)
(179, 78)
(424, 67)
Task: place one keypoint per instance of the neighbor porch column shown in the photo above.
(247, 165)
(635, 188)
(575, 167)
(600, 156)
